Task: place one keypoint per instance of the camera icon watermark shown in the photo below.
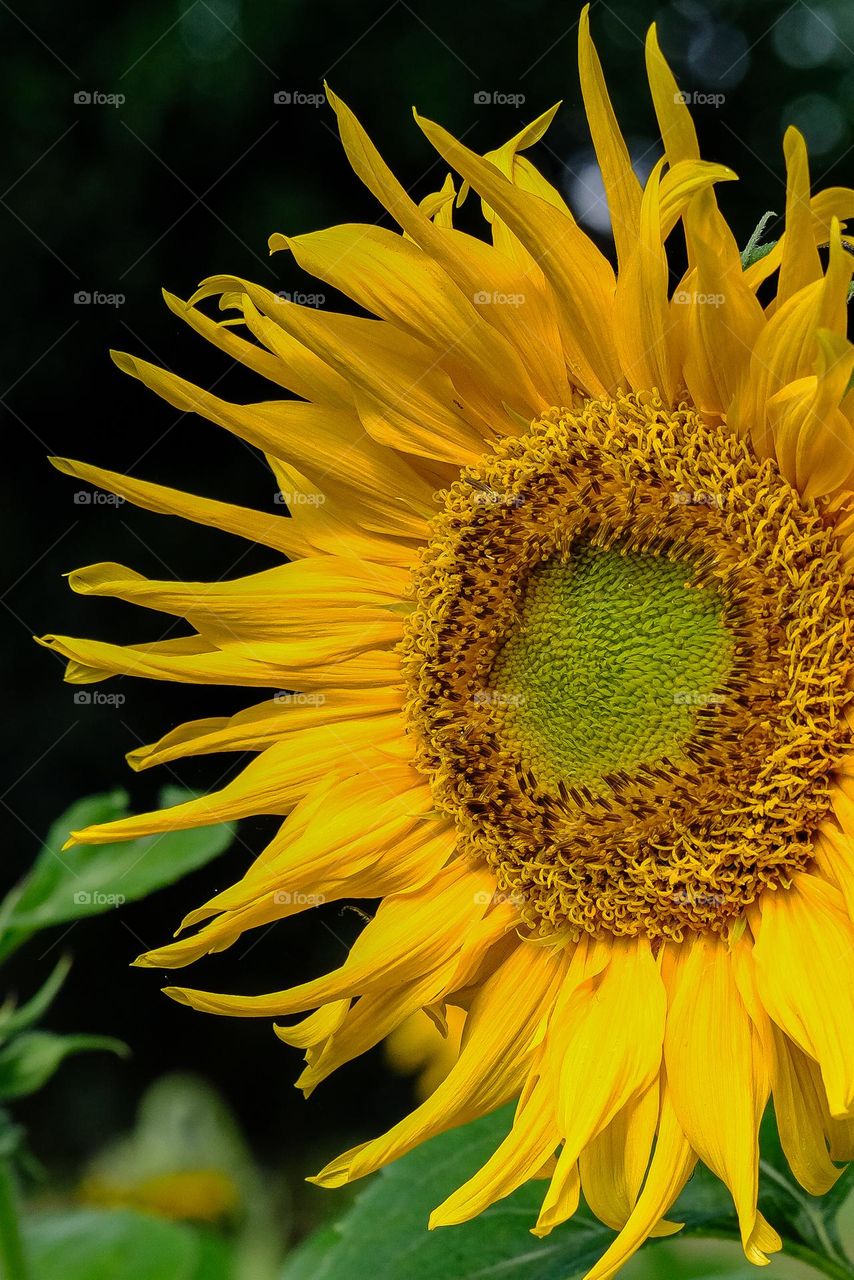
(85, 298)
(87, 898)
(497, 98)
(283, 898)
(495, 298)
(698, 498)
(488, 497)
(283, 498)
(97, 698)
(97, 498)
(300, 699)
(498, 698)
(301, 299)
(688, 896)
(96, 98)
(297, 98)
(688, 297)
(483, 898)
(697, 698)
(696, 98)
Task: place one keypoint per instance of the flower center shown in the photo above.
(611, 653)
(626, 669)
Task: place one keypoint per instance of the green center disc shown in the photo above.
(613, 654)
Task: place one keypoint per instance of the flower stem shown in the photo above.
(13, 1263)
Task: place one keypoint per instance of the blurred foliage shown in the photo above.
(100, 1245)
(186, 1159)
(62, 887)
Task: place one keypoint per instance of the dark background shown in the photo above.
(186, 179)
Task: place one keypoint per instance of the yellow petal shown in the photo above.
(368, 1021)
(529, 323)
(799, 263)
(607, 1051)
(786, 348)
(411, 934)
(813, 440)
(723, 318)
(621, 184)
(394, 279)
(582, 279)
(332, 847)
(256, 526)
(256, 728)
(193, 660)
(643, 328)
(283, 607)
(803, 950)
(799, 1108)
(493, 1062)
(315, 1026)
(531, 1140)
(672, 1164)
(324, 442)
(301, 373)
(271, 783)
(718, 1074)
(613, 1165)
(674, 119)
(835, 853)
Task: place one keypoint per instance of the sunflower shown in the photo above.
(562, 628)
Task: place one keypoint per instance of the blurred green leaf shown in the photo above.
(11, 1136)
(96, 1244)
(90, 879)
(185, 1126)
(29, 1060)
(388, 1221)
(13, 1020)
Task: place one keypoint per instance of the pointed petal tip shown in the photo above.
(181, 995)
(328, 1179)
(65, 465)
(125, 362)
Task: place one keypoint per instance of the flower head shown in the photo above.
(565, 624)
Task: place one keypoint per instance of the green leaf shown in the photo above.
(11, 1136)
(29, 1061)
(388, 1222)
(95, 1244)
(753, 250)
(13, 1020)
(90, 879)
